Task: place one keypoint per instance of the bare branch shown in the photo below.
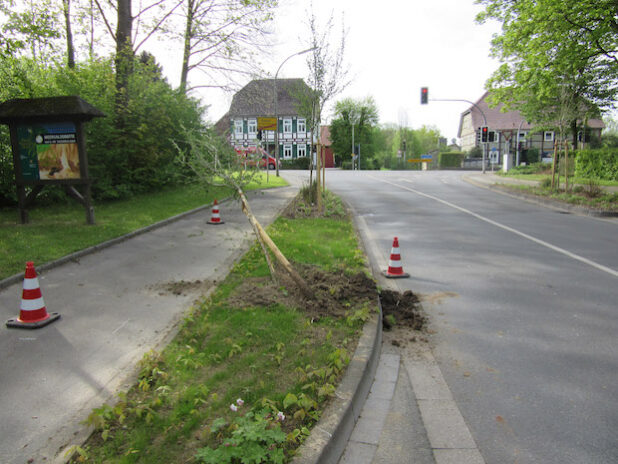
(107, 25)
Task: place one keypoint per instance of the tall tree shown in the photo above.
(363, 115)
(560, 58)
(31, 27)
(124, 59)
(328, 74)
(130, 33)
(220, 39)
(66, 6)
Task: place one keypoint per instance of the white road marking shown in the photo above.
(587, 261)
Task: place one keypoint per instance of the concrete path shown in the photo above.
(410, 415)
(116, 305)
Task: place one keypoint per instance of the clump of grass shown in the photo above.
(237, 382)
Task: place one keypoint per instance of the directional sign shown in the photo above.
(426, 157)
(416, 160)
(267, 124)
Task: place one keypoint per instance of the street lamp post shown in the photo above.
(276, 98)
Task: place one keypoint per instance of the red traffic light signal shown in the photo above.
(484, 134)
(424, 95)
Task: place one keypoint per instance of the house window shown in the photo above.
(287, 151)
(252, 124)
(301, 151)
(287, 126)
(302, 125)
(238, 128)
(548, 136)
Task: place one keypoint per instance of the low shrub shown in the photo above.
(296, 163)
(450, 160)
(601, 164)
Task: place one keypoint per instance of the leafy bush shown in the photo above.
(599, 164)
(532, 155)
(450, 160)
(475, 152)
(253, 438)
(296, 163)
(142, 157)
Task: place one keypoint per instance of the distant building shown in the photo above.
(327, 151)
(256, 101)
(504, 128)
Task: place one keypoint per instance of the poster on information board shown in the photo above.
(48, 151)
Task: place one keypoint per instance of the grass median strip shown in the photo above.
(58, 230)
(252, 366)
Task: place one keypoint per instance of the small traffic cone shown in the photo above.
(215, 218)
(394, 264)
(33, 313)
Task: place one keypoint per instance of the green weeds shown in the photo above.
(238, 384)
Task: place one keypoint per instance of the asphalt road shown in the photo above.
(115, 305)
(524, 303)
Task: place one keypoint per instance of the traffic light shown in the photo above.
(424, 95)
(259, 134)
(484, 134)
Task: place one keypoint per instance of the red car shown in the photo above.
(251, 157)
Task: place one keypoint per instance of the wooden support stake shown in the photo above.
(260, 232)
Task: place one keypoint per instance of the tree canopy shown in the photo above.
(560, 57)
(363, 115)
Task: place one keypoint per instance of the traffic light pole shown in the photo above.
(480, 111)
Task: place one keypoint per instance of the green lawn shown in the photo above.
(239, 381)
(57, 230)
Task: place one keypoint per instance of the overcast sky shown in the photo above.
(394, 47)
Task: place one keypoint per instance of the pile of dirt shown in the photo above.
(334, 293)
(402, 309)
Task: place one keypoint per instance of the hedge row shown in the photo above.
(450, 159)
(601, 163)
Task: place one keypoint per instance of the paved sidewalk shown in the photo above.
(114, 307)
(410, 415)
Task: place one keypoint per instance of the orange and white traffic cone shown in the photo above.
(395, 270)
(215, 218)
(33, 313)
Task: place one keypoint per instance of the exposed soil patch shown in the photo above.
(182, 287)
(402, 309)
(334, 292)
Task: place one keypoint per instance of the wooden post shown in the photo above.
(261, 233)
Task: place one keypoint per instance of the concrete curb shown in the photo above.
(548, 202)
(330, 435)
(16, 278)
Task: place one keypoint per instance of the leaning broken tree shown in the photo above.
(216, 163)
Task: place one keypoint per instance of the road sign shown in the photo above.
(427, 157)
(416, 160)
(269, 124)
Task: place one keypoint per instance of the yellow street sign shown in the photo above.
(415, 160)
(267, 124)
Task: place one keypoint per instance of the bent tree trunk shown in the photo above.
(261, 234)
